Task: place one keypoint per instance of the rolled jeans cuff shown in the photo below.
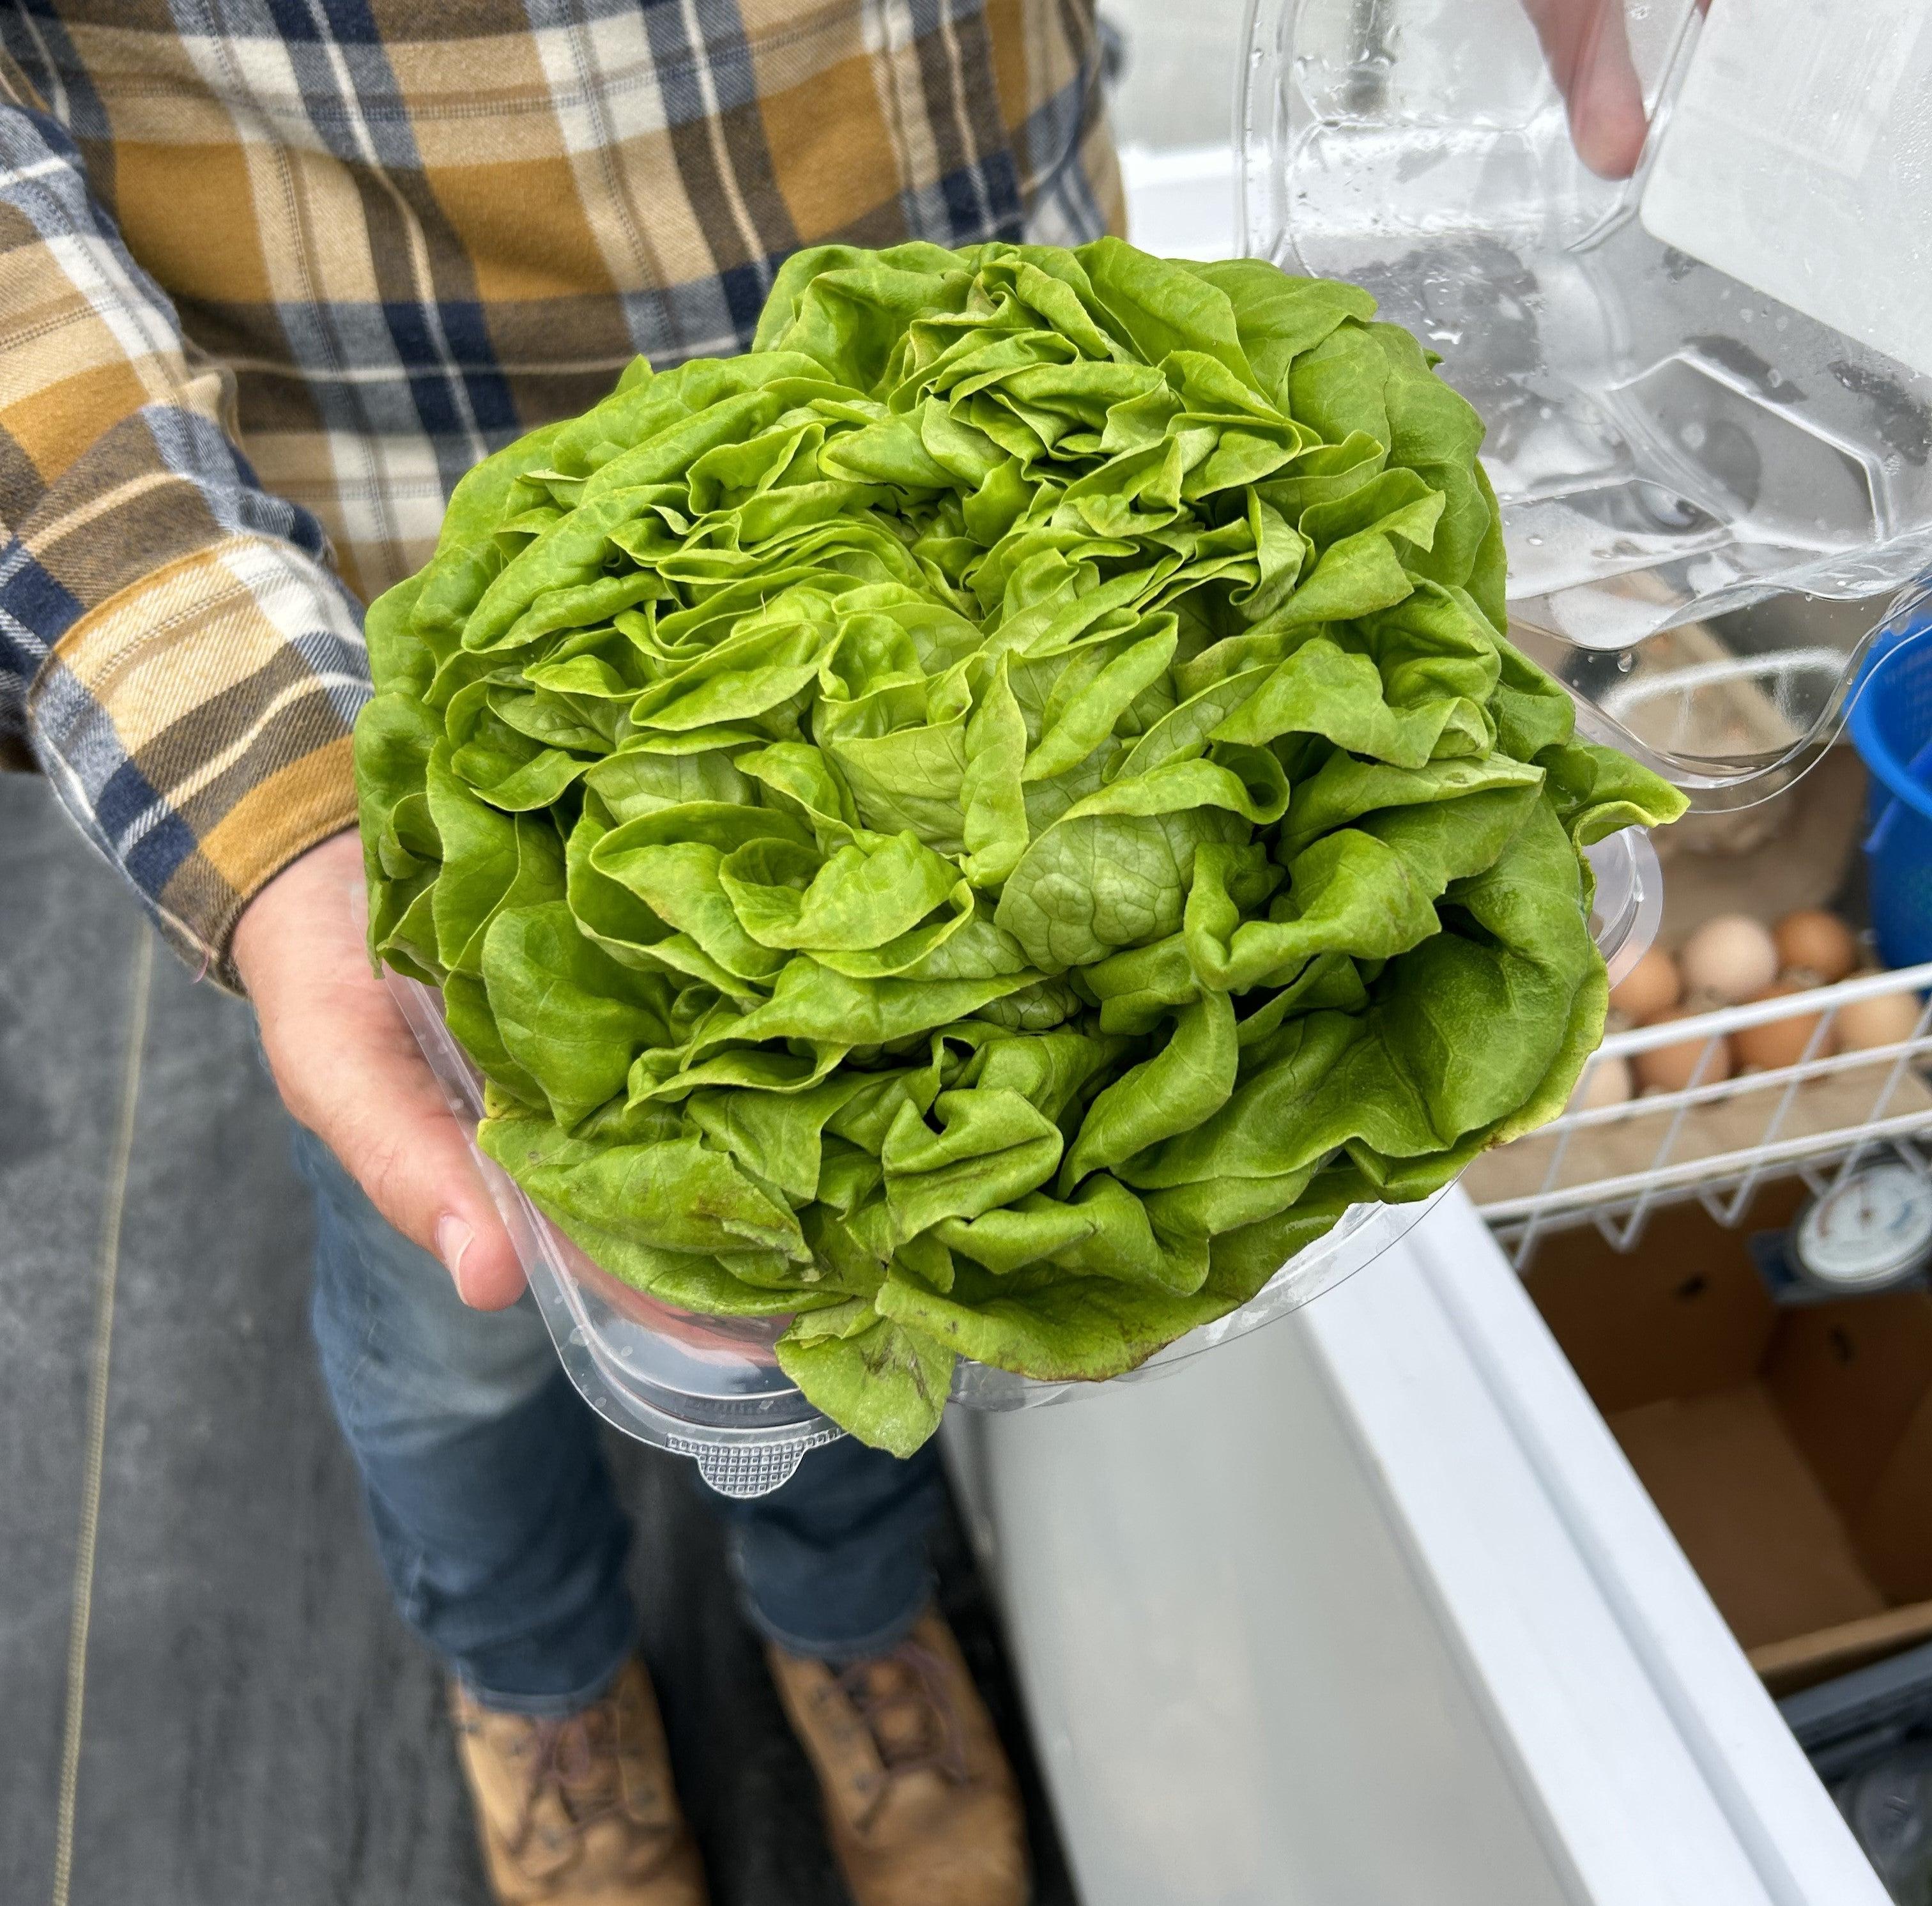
(552, 1707)
(838, 1654)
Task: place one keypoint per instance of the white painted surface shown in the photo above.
(1181, 204)
(1367, 1609)
(1237, 1686)
(1176, 86)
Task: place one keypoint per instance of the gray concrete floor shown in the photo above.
(244, 1719)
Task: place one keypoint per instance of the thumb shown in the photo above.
(349, 1069)
(412, 1158)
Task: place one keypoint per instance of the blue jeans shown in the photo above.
(494, 1513)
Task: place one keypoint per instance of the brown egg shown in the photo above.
(1889, 1019)
(1608, 1081)
(1816, 942)
(1669, 1068)
(1652, 985)
(1731, 956)
(1780, 1042)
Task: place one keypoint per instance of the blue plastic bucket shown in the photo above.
(1890, 724)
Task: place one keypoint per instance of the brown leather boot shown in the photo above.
(580, 1811)
(922, 1807)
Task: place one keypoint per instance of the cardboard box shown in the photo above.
(1789, 1449)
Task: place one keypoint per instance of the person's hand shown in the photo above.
(1587, 46)
(347, 1066)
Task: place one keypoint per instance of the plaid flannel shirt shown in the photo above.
(274, 275)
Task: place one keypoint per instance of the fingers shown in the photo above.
(1606, 120)
(1587, 46)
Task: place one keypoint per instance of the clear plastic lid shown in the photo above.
(1682, 263)
(711, 1389)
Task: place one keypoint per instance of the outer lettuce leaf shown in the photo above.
(893, 1379)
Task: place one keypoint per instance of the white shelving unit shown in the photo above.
(1718, 1139)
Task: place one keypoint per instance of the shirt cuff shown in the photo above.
(197, 725)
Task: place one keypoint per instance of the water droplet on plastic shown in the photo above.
(1534, 542)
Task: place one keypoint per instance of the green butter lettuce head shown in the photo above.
(985, 823)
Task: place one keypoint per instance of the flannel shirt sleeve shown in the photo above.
(177, 653)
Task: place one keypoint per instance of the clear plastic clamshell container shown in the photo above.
(1680, 258)
(710, 1388)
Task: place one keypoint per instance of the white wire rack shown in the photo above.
(1718, 1139)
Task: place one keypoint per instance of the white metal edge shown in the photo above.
(1746, 1759)
(1661, 1780)
(1722, 1019)
(1714, 1171)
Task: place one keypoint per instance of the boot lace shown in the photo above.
(883, 1688)
(573, 1757)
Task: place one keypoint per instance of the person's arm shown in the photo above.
(179, 657)
(176, 654)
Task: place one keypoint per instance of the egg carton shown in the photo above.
(1717, 1139)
